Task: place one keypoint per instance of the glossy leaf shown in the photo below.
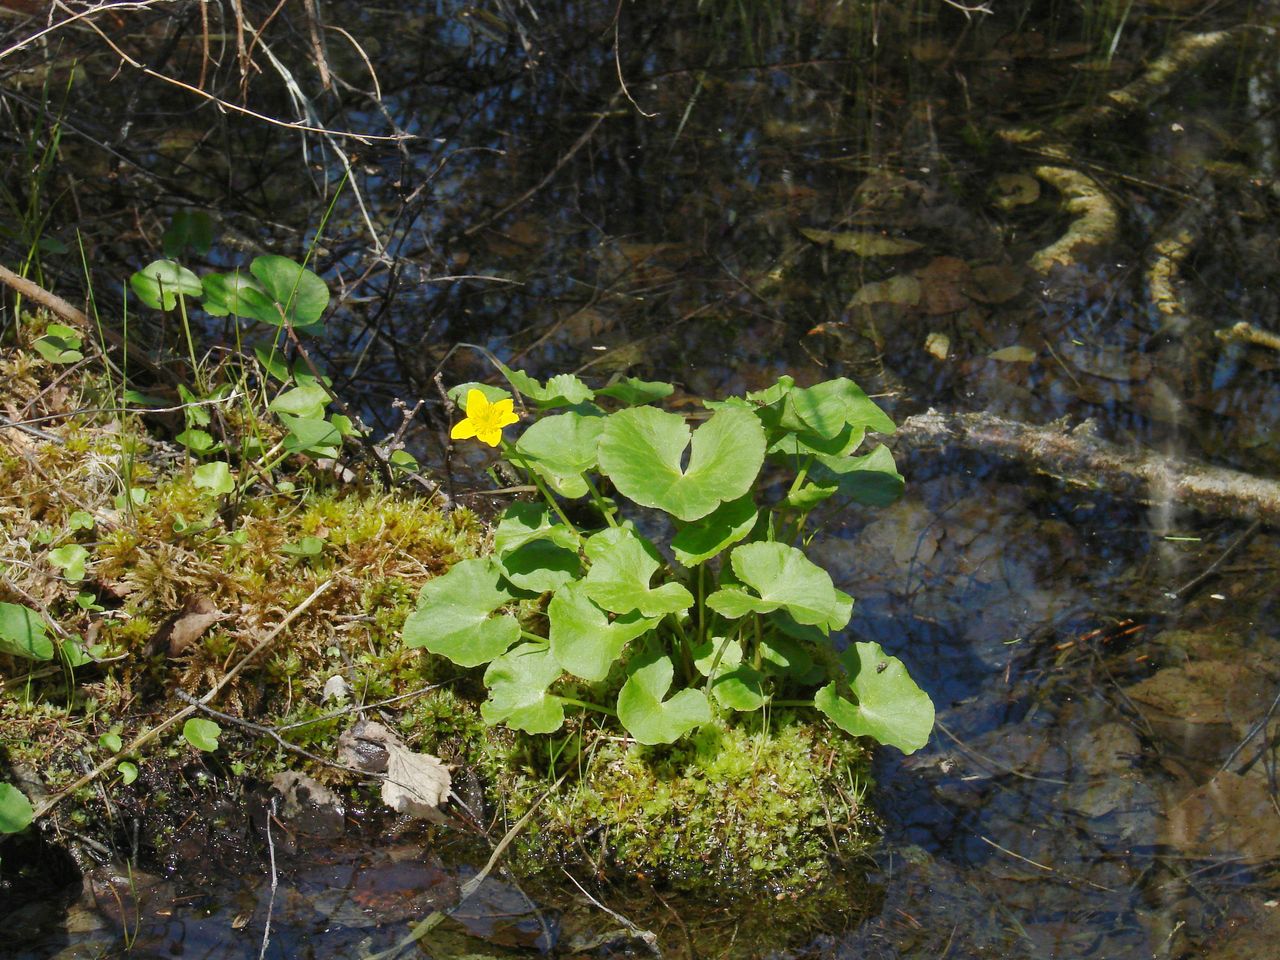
(22, 633)
(239, 295)
(301, 294)
(646, 715)
(872, 480)
(563, 390)
(641, 451)
(16, 812)
(734, 684)
(536, 550)
(214, 479)
(161, 282)
(518, 696)
(561, 448)
(308, 401)
(202, 734)
(878, 699)
(633, 392)
(455, 616)
(584, 639)
(311, 435)
(784, 578)
(622, 565)
(702, 539)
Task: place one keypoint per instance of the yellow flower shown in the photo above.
(484, 420)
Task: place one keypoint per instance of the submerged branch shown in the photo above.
(1081, 459)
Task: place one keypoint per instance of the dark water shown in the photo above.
(1102, 782)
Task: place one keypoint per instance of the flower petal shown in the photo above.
(463, 430)
(491, 436)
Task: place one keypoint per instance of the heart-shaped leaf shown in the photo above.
(878, 699)
(563, 390)
(641, 450)
(491, 393)
(60, 344)
(70, 559)
(872, 480)
(22, 633)
(643, 711)
(311, 435)
(561, 448)
(518, 682)
(633, 392)
(455, 615)
(303, 297)
(724, 526)
(202, 734)
(622, 564)
(214, 479)
(785, 579)
(308, 401)
(734, 684)
(537, 551)
(238, 295)
(15, 809)
(161, 282)
(584, 640)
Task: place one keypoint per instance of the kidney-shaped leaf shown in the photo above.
(562, 390)
(161, 282)
(518, 682)
(22, 633)
(583, 639)
(303, 297)
(734, 684)
(634, 392)
(15, 809)
(455, 615)
(536, 551)
(239, 295)
(641, 449)
(704, 538)
(561, 448)
(879, 699)
(646, 715)
(872, 480)
(785, 579)
(622, 564)
(202, 734)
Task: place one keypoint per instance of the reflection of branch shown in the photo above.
(1080, 459)
(365, 138)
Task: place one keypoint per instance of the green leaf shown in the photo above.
(128, 772)
(60, 344)
(193, 411)
(301, 294)
(641, 450)
(80, 520)
(584, 640)
(214, 478)
(110, 742)
(701, 540)
(313, 436)
(563, 390)
(561, 448)
(201, 734)
(160, 283)
(188, 228)
(305, 547)
(634, 392)
(734, 684)
(622, 564)
(454, 617)
(491, 393)
(22, 632)
(878, 699)
(785, 579)
(306, 402)
(273, 362)
(537, 552)
(785, 656)
(198, 441)
(239, 295)
(70, 559)
(15, 809)
(643, 711)
(872, 480)
(74, 653)
(518, 683)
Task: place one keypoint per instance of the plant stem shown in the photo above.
(514, 457)
(598, 500)
(532, 636)
(589, 706)
(686, 651)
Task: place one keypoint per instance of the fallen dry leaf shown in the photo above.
(180, 632)
(416, 783)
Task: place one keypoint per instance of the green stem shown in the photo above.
(686, 650)
(589, 706)
(598, 500)
(510, 452)
(755, 653)
(702, 607)
(532, 636)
